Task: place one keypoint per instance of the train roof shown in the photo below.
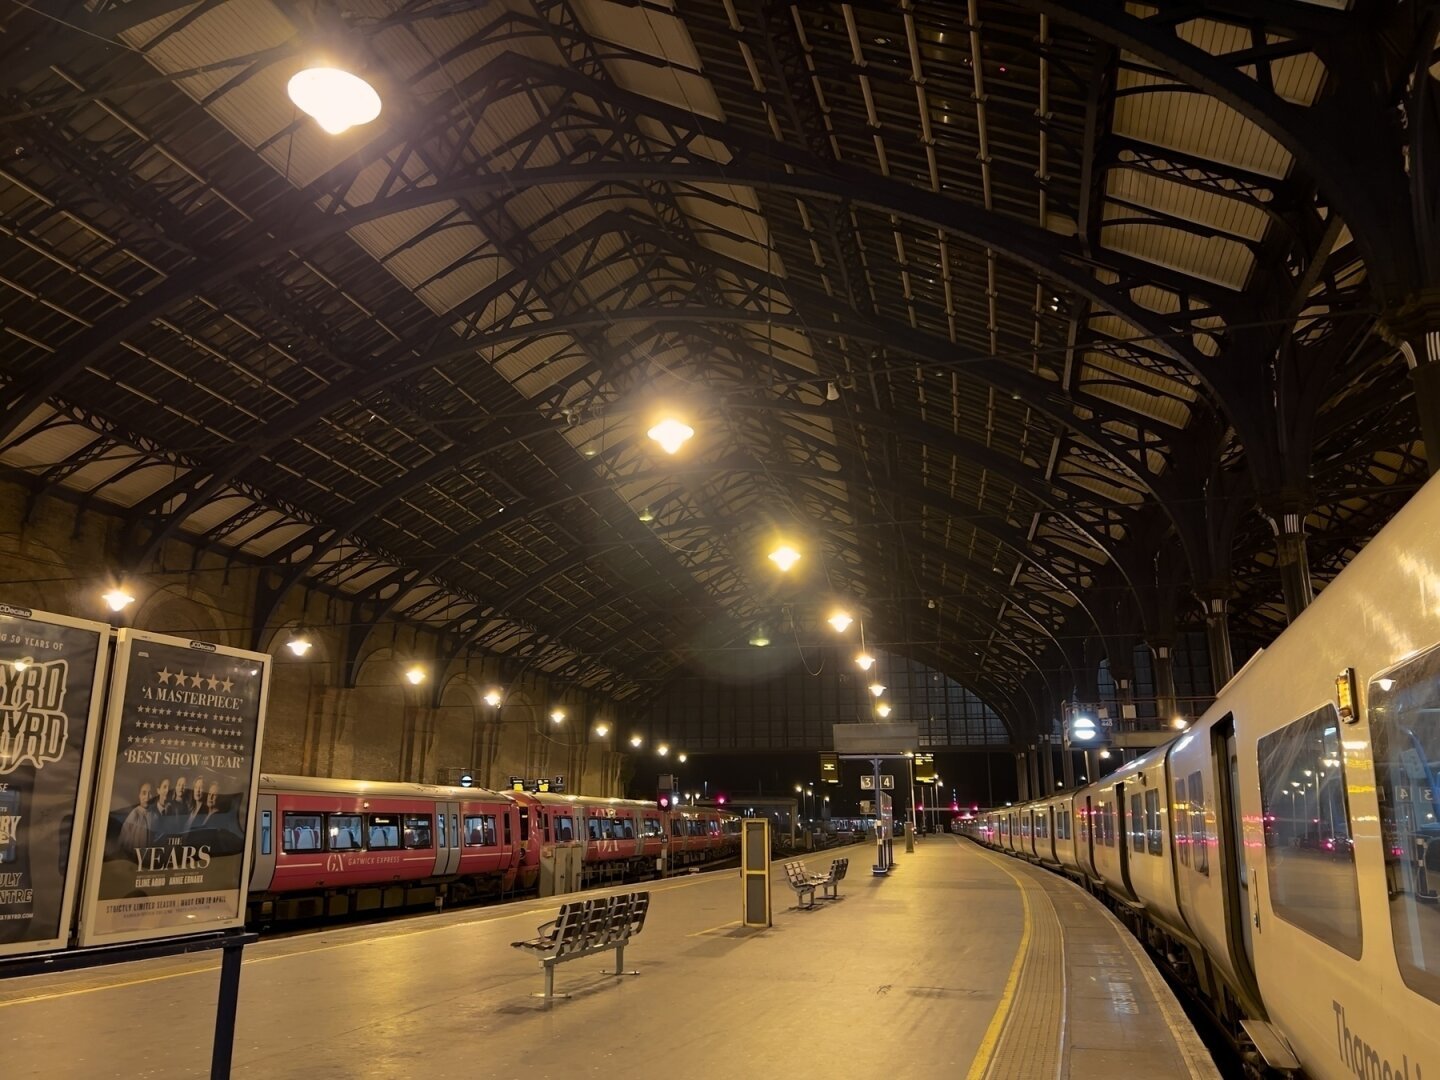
(326, 785)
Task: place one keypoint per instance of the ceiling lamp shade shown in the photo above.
(493, 699)
(759, 639)
(336, 99)
(864, 661)
(784, 557)
(671, 434)
(840, 621)
(883, 709)
(876, 689)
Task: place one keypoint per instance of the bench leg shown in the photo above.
(620, 962)
(549, 994)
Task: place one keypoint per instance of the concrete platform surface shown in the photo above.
(962, 963)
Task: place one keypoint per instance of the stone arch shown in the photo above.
(183, 612)
(376, 718)
(297, 701)
(453, 743)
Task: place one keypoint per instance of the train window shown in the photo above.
(418, 831)
(524, 823)
(1137, 823)
(1083, 820)
(1199, 845)
(1063, 824)
(1180, 816)
(1042, 825)
(344, 831)
(507, 829)
(1404, 704)
(384, 832)
(564, 829)
(1108, 820)
(653, 827)
(303, 832)
(455, 830)
(266, 840)
(1303, 805)
(441, 822)
(1153, 837)
(625, 828)
(676, 829)
(479, 830)
(592, 826)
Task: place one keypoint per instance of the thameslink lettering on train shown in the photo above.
(1363, 1059)
(33, 726)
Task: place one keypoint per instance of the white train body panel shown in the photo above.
(1268, 835)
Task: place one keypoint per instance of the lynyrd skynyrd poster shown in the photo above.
(52, 670)
(170, 850)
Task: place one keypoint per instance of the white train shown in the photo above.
(1284, 851)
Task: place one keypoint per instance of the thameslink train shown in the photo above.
(328, 847)
(1284, 852)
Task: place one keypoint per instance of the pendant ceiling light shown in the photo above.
(337, 99)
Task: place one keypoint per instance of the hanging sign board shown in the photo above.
(52, 673)
(175, 803)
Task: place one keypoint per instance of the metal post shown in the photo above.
(1047, 766)
(1166, 703)
(1067, 763)
(1217, 635)
(1022, 778)
(225, 1009)
(1293, 558)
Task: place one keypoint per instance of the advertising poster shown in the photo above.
(170, 847)
(52, 670)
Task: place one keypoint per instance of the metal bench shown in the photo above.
(804, 884)
(584, 927)
(830, 883)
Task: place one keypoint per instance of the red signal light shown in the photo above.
(719, 800)
(664, 802)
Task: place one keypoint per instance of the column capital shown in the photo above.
(1413, 327)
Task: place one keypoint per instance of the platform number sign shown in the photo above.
(558, 784)
(867, 782)
(887, 782)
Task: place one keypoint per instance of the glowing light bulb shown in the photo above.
(876, 689)
(636, 740)
(883, 709)
(336, 99)
(299, 644)
(602, 730)
(662, 750)
(118, 599)
(840, 621)
(557, 715)
(671, 434)
(493, 699)
(682, 757)
(784, 557)
(864, 661)
(415, 676)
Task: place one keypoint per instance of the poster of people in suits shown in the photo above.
(170, 852)
(52, 670)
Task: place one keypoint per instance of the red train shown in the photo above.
(331, 847)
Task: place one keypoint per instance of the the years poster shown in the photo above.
(52, 669)
(170, 849)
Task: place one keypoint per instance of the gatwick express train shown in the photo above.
(332, 847)
(1284, 852)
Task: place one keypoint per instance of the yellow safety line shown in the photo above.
(75, 991)
(981, 1065)
(711, 930)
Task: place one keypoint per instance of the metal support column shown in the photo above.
(1217, 636)
(1047, 766)
(1166, 703)
(1067, 765)
(1022, 776)
(1292, 556)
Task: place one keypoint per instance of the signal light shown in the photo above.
(664, 802)
(719, 800)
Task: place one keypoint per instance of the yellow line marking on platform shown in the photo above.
(711, 930)
(668, 886)
(981, 1065)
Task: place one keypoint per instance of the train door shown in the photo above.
(447, 839)
(1230, 839)
(1087, 835)
(262, 870)
(1123, 841)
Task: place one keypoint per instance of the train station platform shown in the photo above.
(960, 963)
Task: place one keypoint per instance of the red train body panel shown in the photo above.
(329, 847)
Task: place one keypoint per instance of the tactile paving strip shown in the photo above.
(1031, 1043)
